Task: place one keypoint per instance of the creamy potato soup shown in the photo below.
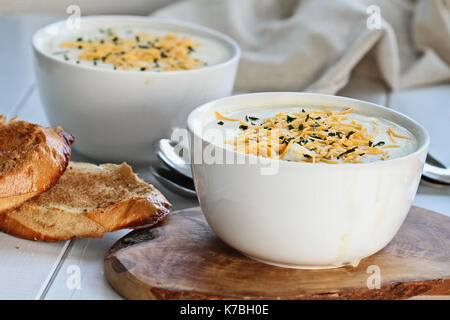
(138, 49)
(314, 135)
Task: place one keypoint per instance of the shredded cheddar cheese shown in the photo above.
(168, 52)
(318, 136)
(392, 134)
(219, 116)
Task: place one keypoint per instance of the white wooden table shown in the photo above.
(33, 270)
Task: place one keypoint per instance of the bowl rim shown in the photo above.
(420, 149)
(236, 51)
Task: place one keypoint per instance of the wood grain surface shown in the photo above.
(183, 259)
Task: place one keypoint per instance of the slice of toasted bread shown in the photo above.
(88, 201)
(32, 158)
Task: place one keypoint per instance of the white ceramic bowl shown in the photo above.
(117, 114)
(306, 215)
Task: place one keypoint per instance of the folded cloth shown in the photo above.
(316, 45)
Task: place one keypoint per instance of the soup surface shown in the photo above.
(139, 49)
(313, 135)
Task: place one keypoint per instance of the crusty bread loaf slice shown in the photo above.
(32, 158)
(88, 201)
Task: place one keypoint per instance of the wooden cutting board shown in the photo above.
(182, 258)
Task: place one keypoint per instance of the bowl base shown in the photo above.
(304, 267)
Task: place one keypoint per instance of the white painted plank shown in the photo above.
(25, 266)
(435, 198)
(86, 255)
(429, 106)
(16, 67)
(32, 110)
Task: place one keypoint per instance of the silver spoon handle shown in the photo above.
(435, 173)
(166, 152)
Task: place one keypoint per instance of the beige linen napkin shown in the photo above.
(316, 45)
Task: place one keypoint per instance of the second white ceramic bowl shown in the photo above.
(114, 114)
(305, 215)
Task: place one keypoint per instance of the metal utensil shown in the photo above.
(165, 150)
(436, 171)
(174, 181)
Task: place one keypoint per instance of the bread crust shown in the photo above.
(19, 229)
(32, 158)
(87, 202)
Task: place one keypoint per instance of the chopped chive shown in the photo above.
(302, 140)
(349, 134)
(106, 56)
(347, 152)
(289, 119)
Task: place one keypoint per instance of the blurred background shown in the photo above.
(138, 7)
